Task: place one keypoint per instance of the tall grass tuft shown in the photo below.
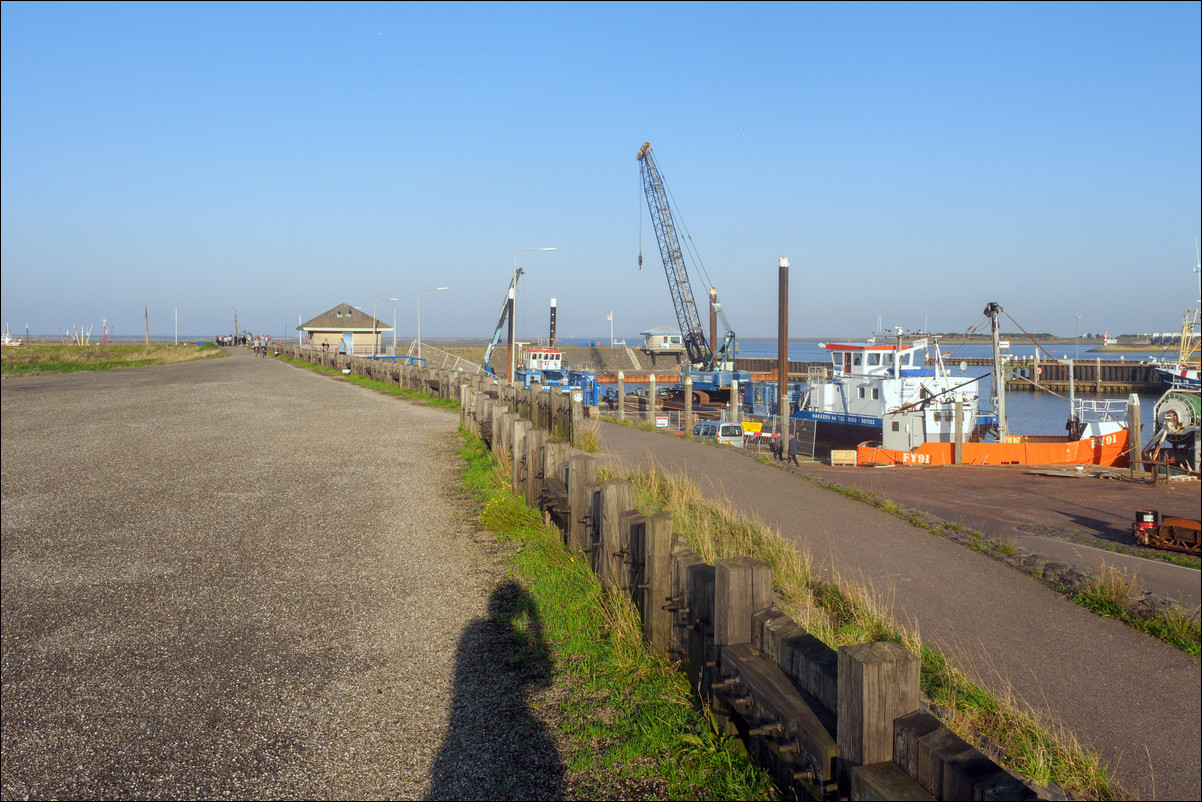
(841, 612)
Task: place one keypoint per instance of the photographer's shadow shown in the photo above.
(495, 748)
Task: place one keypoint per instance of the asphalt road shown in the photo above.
(239, 579)
(1130, 697)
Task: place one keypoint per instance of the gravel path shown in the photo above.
(235, 578)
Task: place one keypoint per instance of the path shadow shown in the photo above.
(495, 748)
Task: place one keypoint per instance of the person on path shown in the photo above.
(794, 450)
(778, 449)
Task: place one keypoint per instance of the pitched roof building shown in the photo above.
(356, 331)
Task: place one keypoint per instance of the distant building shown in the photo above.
(663, 341)
(359, 332)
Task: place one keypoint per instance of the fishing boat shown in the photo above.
(879, 386)
(1182, 373)
(1095, 434)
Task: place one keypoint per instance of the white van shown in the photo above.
(719, 431)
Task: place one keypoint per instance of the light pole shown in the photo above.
(373, 323)
(235, 324)
(419, 316)
(513, 308)
(1076, 328)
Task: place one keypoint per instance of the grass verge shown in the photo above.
(28, 359)
(1112, 592)
(627, 723)
(1174, 626)
(840, 613)
(375, 384)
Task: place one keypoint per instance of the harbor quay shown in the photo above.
(240, 596)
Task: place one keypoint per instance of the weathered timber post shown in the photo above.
(742, 588)
(1134, 435)
(878, 683)
(682, 561)
(534, 464)
(687, 426)
(702, 656)
(613, 547)
(503, 434)
(553, 424)
(633, 574)
(621, 395)
(492, 415)
(941, 763)
(582, 472)
(553, 492)
(520, 465)
(653, 594)
(575, 418)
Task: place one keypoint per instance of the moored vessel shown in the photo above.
(1095, 434)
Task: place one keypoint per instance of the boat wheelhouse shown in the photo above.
(877, 389)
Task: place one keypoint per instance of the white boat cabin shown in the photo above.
(542, 359)
(893, 386)
(880, 360)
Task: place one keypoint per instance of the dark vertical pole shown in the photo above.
(552, 341)
(782, 345)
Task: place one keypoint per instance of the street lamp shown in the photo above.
(419, 317)
(1076, 328)
(373, 322)
(513, 308)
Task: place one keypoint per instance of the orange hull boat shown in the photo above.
(1108, 449)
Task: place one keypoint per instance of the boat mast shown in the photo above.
(998, 397)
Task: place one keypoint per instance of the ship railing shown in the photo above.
(1103, 409)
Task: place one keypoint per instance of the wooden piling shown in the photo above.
(878, 682)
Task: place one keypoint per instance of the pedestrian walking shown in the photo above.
(778, 449)
(794, 450)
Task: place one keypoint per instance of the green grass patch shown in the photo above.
(627, 713)
(42, 358)
(1112, 592)
(376, 384)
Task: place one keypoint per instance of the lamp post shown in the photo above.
(419, 316)
(1076, 346)
(235, 324)
(514, 306)
(373, 322)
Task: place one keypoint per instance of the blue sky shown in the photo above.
(913, 161)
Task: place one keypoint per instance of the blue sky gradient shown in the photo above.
(914, 161)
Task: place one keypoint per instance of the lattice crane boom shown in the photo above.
(687, 317)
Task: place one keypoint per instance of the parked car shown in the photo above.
(719, 431)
